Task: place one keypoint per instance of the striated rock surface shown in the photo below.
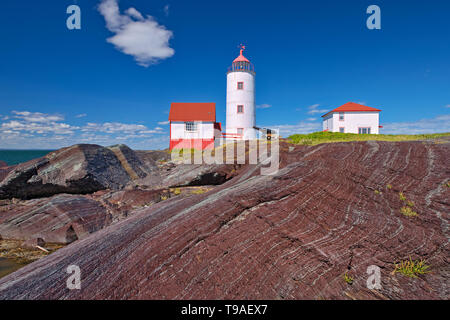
(3, 164)
(62, 218)
(78, 169)
(331, 209)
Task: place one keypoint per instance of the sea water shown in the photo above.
(12, 157)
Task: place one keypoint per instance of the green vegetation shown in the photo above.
(401, 196)
(447, 184)
(410, 203)
(327, 137)
(199, 191)
(407, 211)
(348, 279)
(411, 268)
(389, 186)
(377, 192)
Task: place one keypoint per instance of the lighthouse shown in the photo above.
(241, 99)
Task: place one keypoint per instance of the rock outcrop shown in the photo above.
(331, 209)
(79, 169)
(62, 218)
(3, 164)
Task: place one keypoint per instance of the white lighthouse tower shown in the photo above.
(241, 100)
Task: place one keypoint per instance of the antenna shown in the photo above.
(242, 47)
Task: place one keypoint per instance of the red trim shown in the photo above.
(242, 85)
(380, 126)
(352, 107)
(198, 144)
(237, 108)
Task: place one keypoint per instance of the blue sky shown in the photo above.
(113, 80)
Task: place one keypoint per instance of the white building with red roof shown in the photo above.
(194, 126)
(352, 118)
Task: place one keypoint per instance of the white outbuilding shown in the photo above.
(194, 126)
(352, 118)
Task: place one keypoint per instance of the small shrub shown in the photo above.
(407, 211)
(164, 197)
(177, 191)
(411, 268)
(402, 196)
(377, 192)
(199, 191)
(447, 184)
(389, 186)
(348, 278)
(410, 204)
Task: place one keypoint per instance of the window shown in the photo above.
(190, 126)
(341, 116)
(363, 130)
(240, 131)
(240, 86)
(341, 129)
(240, 109)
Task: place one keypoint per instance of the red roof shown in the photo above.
(241, 57)
(351, 106)
(180, 111)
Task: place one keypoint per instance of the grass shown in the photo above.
(411, 268)
(348, 279)
(199, 191)
(407, 211)
(410, 203)
(327, 137)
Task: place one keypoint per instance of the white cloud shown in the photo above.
(162, 123)
(301, 128)
(433, 125)
(166, 10)
(447, 106)
(35, 122)
(136, 35)
(311, 119)
(81, 115)
(31, 130)
(314, 109)
(36, 116)
(263, 106)
(113, 127)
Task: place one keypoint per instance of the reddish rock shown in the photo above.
(3, 164)
(292, 235)
(62, 218)
(79, 169)
(33, 243)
